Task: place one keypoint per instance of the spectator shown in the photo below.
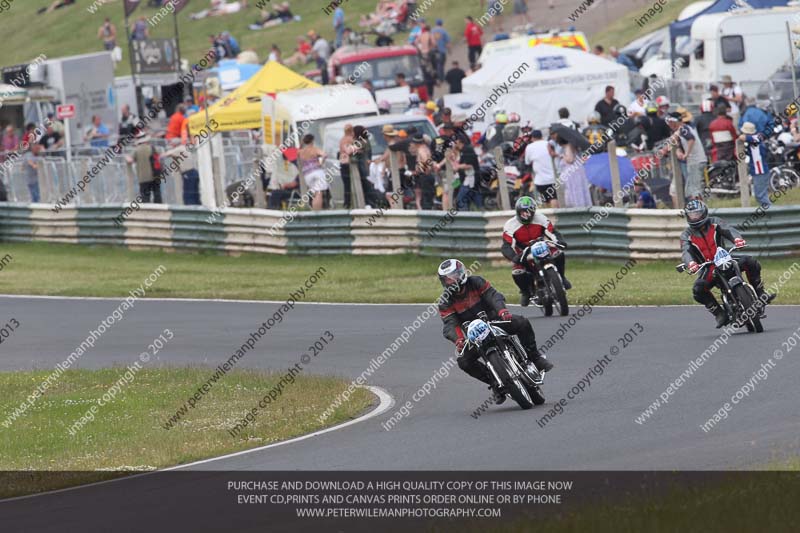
(310, 159)
(30, 137)
(284, 180)
(51, 140)
(718, 99)
(494, 11)
(321, 51)
(368, 86)
(607, 107)
(30, 169)
(564, 120)
(97, 135)
(426, 44)
(759, 169)
(691, 152)
(539, 155)
(442, 39)
(655, 127)
(361, 155)
(230, 43)
(187, 164)
(57, 4)
(140, 30)
(755, 113)
(127, 122)
(469, 170)
(108, 33)
(345, 150)
(723, 136)
(383, 161)
(382, 39)
(189, 105)
(733, 94)
(521, 12)
(454, 77)
(425, 182)
(474, 36)
(594, 131)
(663, 103)
(146, 160)
(623, 59)
(598, 50)
(175, 123)
(338, 25)
(400, 80)
(301, 54)
(274, 54)
(573, 177)
(638, 107)
(57, 124)
(10, 139)
(644, 200)
(703, 123)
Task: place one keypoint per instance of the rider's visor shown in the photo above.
(694, 216)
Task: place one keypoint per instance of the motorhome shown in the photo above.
(292, 114)
(747, 45)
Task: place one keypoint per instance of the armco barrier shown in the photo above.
(602, 233)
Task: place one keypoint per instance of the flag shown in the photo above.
(130, 7)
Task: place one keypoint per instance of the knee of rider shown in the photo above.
(463, 363)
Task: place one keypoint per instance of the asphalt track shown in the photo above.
(596, 430)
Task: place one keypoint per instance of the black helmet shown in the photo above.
(525, 208)
(696, 213)
(452, 273)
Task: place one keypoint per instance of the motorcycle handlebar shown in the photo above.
(683, 267)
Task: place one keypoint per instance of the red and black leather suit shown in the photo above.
(475, 296)
(700, 245)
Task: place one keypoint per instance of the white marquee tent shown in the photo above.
(547, 78)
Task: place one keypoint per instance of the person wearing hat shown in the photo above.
(284, 179)
(690, 154)
(755, 146)
(733, 94)
(430, 109)
(644, 200)
(756, 114)
(723, 136)
(424, 180)
(186, 157)
(147, 169)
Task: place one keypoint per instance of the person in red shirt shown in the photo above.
(474, 35)
(175, 123)
(723, 136)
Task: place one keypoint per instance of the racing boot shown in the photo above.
(499, 395)
(764, 298)
(542, 363)
(720, 314)
(566, 283)
(523, 280)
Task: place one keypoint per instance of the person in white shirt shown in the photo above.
(733, 94)
(539, 155)
(639, 105)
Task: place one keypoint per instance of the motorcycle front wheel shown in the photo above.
(513, 386)
(747, 300)
(557, 291)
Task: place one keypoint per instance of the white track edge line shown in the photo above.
(386, 402)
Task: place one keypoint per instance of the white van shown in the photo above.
(747, 45)
(293, 114)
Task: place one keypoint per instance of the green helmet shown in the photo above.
(525, 208)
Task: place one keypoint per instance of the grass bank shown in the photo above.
(77, 270)
(128, 433)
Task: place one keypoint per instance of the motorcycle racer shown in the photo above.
(699, 243)
(463, 298)
(521, 231)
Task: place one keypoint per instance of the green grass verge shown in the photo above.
(625, 29)
(78, 270)
(790, 197)
(73, 30)
(127, 434)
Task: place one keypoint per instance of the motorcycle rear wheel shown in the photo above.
(513, 386)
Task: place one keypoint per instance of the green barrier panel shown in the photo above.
(194, 228)
(15, 222)
(96, 224)
(444, 234)
(320, 232)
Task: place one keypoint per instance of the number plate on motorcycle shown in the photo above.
(722, 258)
(477, 331)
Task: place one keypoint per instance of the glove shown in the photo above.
(460, 343)
(693, 267)
(739, 243)
(505, 314)
(517, 258)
